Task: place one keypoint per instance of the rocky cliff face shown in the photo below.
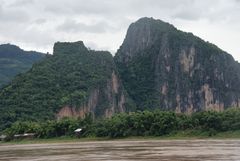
(101, 102)
(164, 68)
(105, 98)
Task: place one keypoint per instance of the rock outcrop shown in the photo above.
(164, 68)
(102, 101)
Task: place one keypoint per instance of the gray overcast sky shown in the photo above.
(102, 24)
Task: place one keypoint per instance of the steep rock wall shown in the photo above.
(110, 99)
(174, 70)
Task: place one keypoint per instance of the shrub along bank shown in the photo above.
(145, 123)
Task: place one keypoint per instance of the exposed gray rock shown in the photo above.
(164, 68)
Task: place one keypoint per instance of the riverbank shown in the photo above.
(181, 135)
(166, 124)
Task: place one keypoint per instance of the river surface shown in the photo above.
(167, 150)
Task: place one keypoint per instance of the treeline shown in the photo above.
(146, 123)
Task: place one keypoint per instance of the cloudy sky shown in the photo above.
(102, 24)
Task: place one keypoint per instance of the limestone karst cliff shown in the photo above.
(164, 68)
(156, 67)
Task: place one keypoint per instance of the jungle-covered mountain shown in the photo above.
(156, 67)
(14, 60)
(72, 82)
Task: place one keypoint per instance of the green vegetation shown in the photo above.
(158, 67)
(65, 78)
(14, 60)
(138, 124)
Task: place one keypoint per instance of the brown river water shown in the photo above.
(144, 150)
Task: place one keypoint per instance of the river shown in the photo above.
(143, 150)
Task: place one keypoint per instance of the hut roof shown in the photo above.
(78, 130)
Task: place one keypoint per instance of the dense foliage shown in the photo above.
(146, 123)
(14, 60)
(64, 78)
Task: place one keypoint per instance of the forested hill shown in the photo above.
(72, 82)
(156, 67)
(14, 60)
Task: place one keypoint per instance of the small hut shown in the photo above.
(78, 132)
(24, 136)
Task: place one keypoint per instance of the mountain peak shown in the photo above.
(156, 25)
(142, 34)
(9, 46)
(151, 20)
(9, 49)
(69, 47)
